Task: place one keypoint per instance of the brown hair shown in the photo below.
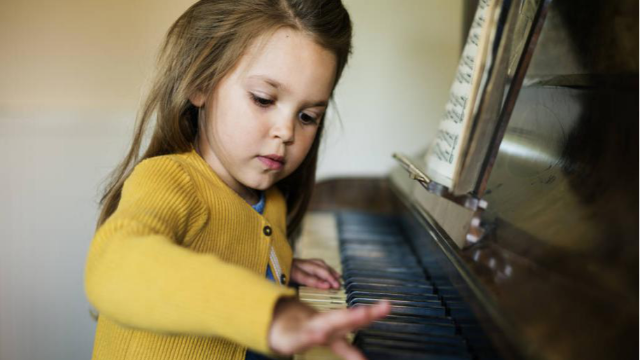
(200, 48)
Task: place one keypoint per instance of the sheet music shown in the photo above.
(443, 157)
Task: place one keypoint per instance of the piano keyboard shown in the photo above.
(319, 239)
(428, 320)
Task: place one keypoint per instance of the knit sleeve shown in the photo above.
(138, 275)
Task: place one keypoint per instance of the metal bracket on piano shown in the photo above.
(468, 201)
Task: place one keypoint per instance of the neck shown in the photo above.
(249, 195)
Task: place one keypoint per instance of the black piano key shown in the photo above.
(354, 255)
(375, 263)
(376, 219)
(375, 298)
(389, 271)
(382, 353)
(353, 234)
(386, 279)
(438, 279)
(381, 265)
(389, 289)
(413, 327)
(390, 248)
(364, 255)
(420, 320)
(364, 342)
(398, 282)
(352, 239)
(441, 340)
(373, 255)
(395, 258)
(391, 296)
(378, 274)
(448, 291)
(451, 299)
(361, 300)
(433, 308)
(382, 224)
(419, 287)
(351, 230)
(398, 246)
(367, 219)
(416, 310)
(366, 230)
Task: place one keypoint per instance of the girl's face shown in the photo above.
(262, 117)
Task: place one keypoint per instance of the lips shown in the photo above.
(273, 162)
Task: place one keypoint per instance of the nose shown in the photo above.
(284, 128)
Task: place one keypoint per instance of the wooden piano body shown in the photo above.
(556, 274)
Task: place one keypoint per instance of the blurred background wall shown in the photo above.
(72, 74)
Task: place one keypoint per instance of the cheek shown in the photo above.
(238, 125)
(309, 137)
(304, 142)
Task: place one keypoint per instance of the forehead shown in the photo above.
(292, 60)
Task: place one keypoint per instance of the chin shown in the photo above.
(262, 180)
(261, 184)
(261, 187)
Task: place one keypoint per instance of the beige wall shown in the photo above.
(71, 77)
(393, 92)
(80, 55)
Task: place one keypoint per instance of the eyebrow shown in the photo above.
(278, 85)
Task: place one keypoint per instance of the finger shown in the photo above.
(308, 279)
(304, 278)
(321, 271)
(330, 326)
(318, 261)
(336, 274)
(338, 321)
(342, 348)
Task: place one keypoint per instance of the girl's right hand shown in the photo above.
(297, 327)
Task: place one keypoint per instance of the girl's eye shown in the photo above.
(307, 119)
(262, 102)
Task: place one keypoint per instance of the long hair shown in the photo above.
(200, 48)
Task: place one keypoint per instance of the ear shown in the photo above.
(197, 99)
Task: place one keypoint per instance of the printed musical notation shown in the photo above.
(442, 153)
(453, 113)
(474, 38)
(445, 153)
(458, 100)
(464, 77)
(448, 137)
(445, 150)
(467, 61)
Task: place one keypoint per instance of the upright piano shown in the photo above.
(554, 271)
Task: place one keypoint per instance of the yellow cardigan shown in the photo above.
(177, 272)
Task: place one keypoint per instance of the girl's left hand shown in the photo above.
(315, 273)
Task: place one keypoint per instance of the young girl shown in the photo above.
(189, 230)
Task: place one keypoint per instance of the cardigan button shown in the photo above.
(267, 230)
(283, 278)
